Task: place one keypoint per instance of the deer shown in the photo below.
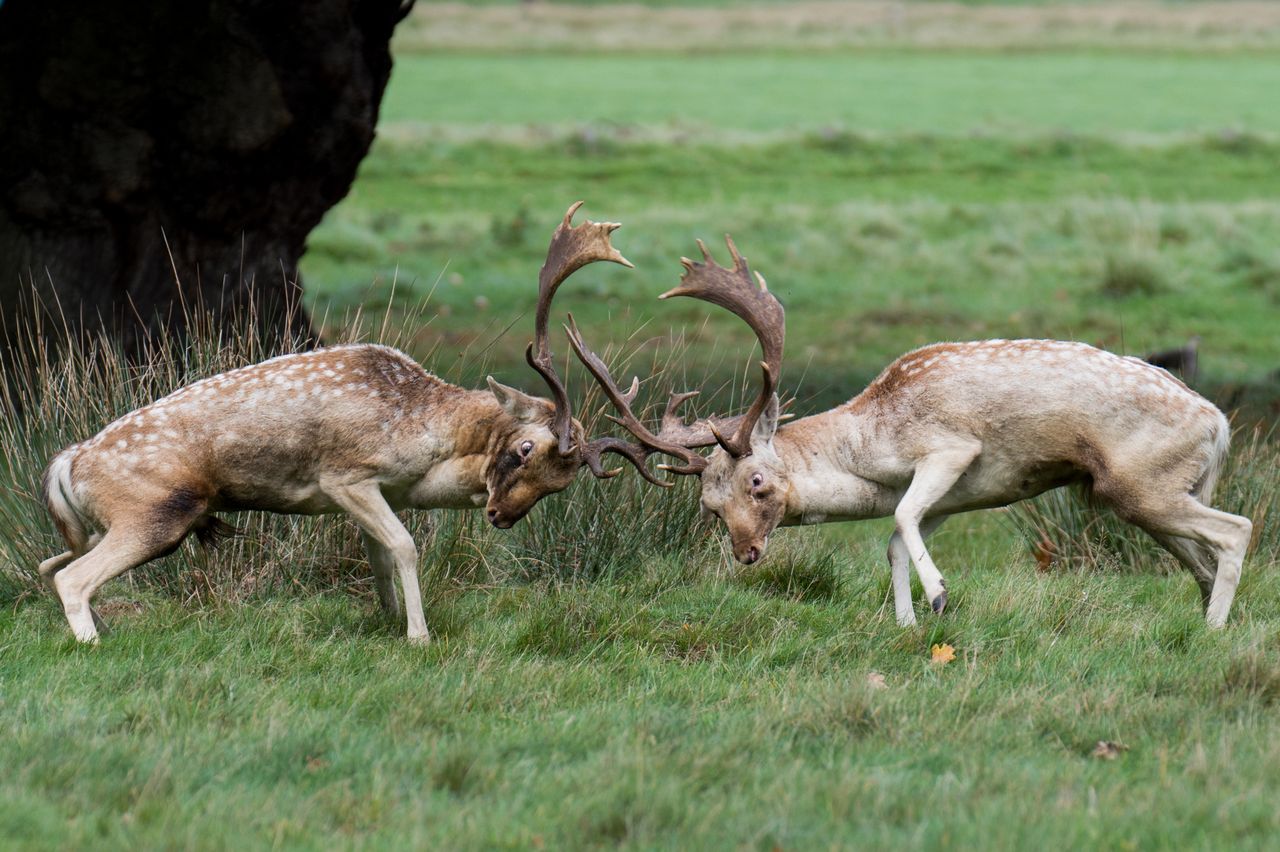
(945, 429)
(359, 429)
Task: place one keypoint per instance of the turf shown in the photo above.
(666, 710)
(888, 91)
(892, 198)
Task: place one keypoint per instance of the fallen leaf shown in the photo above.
(1107, 750)
(942, 654)
(875, 680)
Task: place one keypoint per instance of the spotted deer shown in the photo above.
(950, 428)
(360, 429)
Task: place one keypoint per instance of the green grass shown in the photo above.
(882, 246)
(890, 91)
(892, 199)
(667, 709)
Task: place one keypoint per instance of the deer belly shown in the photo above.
(992, 481)
(284, 498)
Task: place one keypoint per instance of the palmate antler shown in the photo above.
(747, 297)
(571, 249)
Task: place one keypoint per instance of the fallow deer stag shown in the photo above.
(953, 427)
(361, 429)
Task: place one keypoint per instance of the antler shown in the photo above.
(650, 443)
(747, 297)
(571, 249)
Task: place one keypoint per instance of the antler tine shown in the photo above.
(747, 296)
(633, 453)
(649, 442)
(701, 432)
(571, 249)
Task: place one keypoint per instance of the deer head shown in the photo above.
(744, 482)
(543, 449)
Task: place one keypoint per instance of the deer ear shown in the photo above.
(767, 425)
(518, 403)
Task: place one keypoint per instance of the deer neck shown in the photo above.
(827, 457)
(459, 437)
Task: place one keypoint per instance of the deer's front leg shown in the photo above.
(934, 476)
(383, 565)
(900, 569)
(365, 503)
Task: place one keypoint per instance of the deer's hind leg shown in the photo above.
(54, 564)
(1195, 557)
(1224, 536)
(122, 548)
(155, 531)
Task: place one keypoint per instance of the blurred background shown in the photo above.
(901, 172)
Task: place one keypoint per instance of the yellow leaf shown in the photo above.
(942, 654)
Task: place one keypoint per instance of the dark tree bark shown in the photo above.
(161, 154)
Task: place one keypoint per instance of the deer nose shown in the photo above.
(752, 554)
(493, 515)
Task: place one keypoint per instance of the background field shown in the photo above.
(603, 675)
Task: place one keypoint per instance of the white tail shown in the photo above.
(60, 500)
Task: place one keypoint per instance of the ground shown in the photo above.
(675, 708)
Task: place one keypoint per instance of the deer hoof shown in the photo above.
(939, 603)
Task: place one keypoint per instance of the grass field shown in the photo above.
(603, 675)
(665, 711)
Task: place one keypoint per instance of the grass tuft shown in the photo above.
(1254, 675)
(1127, 275)
(795, 569)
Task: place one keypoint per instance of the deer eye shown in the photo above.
(757, 479)
(525, 449)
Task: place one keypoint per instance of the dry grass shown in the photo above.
(844, 24)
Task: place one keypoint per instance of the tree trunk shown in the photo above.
(156, 157)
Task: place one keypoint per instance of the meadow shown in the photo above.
(604, 674)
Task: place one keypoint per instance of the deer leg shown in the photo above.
(1193, 556)
(383, 565)
(365, 503)
(119, 550)
(1226, 535)
(53, 565)
(934, 477)
(900, 568)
